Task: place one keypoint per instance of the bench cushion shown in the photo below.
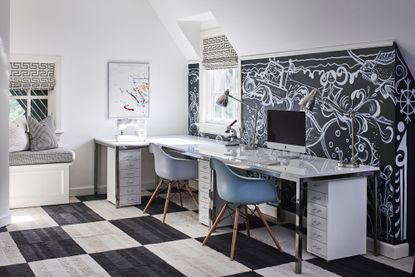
(57, 155)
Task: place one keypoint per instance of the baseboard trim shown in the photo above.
(389, 250)
(79, 191)
(5, 219)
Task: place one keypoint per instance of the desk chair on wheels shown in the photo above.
(172, 171)
(241, 191)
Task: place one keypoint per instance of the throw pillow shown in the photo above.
(18, 137)
(42, 134)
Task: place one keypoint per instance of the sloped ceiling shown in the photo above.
(265, 26)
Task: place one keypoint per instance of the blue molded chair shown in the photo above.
(241, 191)
(173, 171)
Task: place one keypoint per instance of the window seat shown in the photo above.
(39, 178)
(58, 155)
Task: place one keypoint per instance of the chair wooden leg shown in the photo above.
(180, 193)
(248, 231)
(166, 204)
(235, 233)
(153, 196)
(215, 224)
(191, 194)
(261, 216)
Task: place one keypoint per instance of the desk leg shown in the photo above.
(117, 177)
(97, 165)
(279, 208)
(375, 229)
(299, 210)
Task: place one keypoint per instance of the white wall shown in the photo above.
(264, 26)
(4, 112)
(87, 34)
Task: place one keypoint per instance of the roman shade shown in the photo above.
(31, 75)
(218, 53)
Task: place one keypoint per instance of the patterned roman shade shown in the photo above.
(29, 75)
(218, 53)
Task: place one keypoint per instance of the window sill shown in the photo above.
(214, 129)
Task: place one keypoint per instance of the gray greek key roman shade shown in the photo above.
(218, 53)
(29, 75)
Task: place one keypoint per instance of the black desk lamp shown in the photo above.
(223, 102)
(308, 103)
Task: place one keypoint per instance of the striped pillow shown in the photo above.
(42, 134)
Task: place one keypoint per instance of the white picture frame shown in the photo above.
(128, 90)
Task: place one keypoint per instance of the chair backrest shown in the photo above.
(170, 168)
(237, 189)
(162, 161)
(226, 180)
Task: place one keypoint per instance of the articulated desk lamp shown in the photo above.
(223, 102)
(308, 103)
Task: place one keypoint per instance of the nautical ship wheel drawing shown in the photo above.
(407, 102)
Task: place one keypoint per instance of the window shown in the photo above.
(219, 72)
(29, 102)
(215, 83)
(34, 88)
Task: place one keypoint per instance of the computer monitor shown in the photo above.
(286, 130)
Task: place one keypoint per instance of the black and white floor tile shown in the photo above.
(90, 237)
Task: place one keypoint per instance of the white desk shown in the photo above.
(306, 169)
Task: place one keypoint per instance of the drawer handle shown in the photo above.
(316, 198)
(315, 223)
(206, 178)
(315, 235)
(205, 167)
(316, 210)
(316, 247)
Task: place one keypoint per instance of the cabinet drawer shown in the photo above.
(204, 196)
(127, 190)
(204, 206)
(316, 234)
(316, 197)
(204, 166)
(320, 187)
(318, 210)
(130, 165)
(317, 248)
(205, 187)
(204, 218)
(129, 173)
(132, 199)
(317, 222)
(204, 177)
(129, 155)
(126, 182)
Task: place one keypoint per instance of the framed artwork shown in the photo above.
(128, 90)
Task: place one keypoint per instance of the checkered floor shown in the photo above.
(89, 237)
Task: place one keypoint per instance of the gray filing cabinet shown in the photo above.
(124, 176)
(205, 183)
(336, 218)
(210, 203)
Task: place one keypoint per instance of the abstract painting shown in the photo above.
(128, 89)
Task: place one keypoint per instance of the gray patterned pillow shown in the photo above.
(42, 134)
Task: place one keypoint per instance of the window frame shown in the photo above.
(206, 107)
(54, 95)
(29, 97)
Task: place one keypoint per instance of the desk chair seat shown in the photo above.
(172, 171)
(241, 191)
